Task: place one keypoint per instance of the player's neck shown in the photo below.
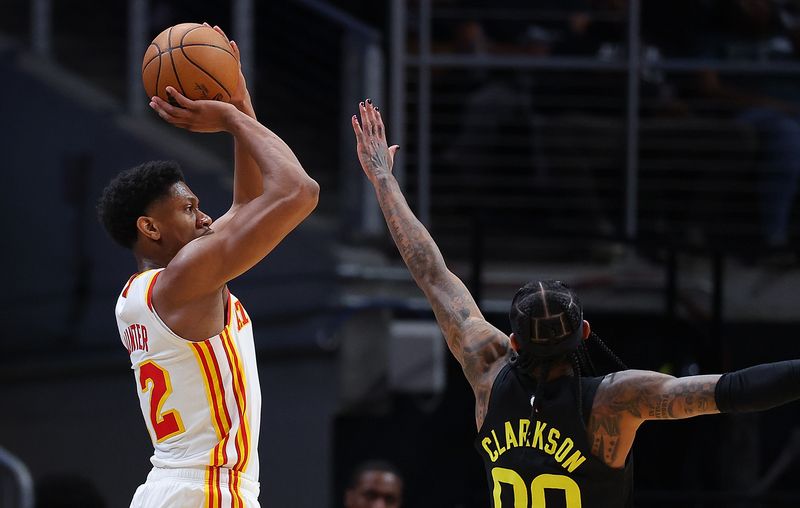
(556, 371)
(149, 255)
(145, 263)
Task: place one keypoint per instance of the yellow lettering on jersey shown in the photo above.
(492, 454)
(552, 441)
(500, 449)
(575, 460)
(538, 436)
(511, 439)
(241, 315)
(524, 425)
(515, 436)
(563, 450)
(572, 492)
(502, 476)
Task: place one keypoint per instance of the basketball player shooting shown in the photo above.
(546, 421)
(190, 340)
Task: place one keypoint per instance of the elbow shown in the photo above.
(306, 195)
(431, 273)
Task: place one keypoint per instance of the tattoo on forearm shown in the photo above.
(627, 398)
(475, 345)
(421, 255)
(662, 407)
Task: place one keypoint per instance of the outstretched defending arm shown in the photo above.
(626, 399)
(477, 345)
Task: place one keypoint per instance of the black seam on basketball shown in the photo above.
(157, 54)
(188, 46)
(182, 45)
(158, 76)
(203, 44)
(172, 61)
(144, 68)
(206, 72)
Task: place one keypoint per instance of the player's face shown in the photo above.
(376, 489)
(179, 217)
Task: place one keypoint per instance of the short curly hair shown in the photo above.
(129, 194)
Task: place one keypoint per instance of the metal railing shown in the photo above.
(16, 485)
(413, 62)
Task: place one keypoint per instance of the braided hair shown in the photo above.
(547, 321)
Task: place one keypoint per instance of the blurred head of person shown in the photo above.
(374, 484)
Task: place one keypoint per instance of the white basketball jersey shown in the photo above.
(201, 401)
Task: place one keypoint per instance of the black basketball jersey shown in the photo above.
(552, 467)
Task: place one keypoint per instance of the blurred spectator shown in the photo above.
(760, 31)
(374, 484)
(508, 124)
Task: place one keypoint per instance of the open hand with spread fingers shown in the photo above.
(376, 157)
(195, 116)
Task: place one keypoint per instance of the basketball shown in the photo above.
(194, 59)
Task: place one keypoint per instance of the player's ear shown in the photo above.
(514, 343)
(587, 329)
(148, 227)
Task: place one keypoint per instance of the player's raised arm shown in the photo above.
(289, 195)
(626, 399)
(247, 183)
(476, 344)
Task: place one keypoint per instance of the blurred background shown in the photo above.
(645, 152)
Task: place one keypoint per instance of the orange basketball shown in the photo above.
(194, 59)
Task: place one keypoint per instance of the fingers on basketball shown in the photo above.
(194, 58)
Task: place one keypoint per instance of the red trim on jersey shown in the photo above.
(217, 497)
(208, 488)
(229, 313)
(224, 442)
(238, 441)
(149, 296)
(241, 399)
(212, 390)
(221, 385)
(128, 284)
(233, 484)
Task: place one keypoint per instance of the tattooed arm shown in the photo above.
(626, 399)
(478, 346)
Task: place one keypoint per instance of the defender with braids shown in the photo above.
(550, 432)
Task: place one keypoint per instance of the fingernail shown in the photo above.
(361, 104)
(369, 101)
(354, 117)
(376, 108)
